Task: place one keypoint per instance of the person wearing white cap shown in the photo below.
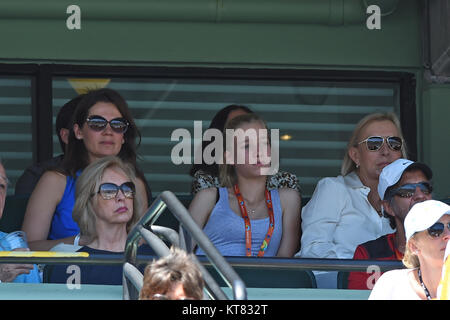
(402, 184)
(427, 231)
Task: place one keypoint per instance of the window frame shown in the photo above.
(43, 74)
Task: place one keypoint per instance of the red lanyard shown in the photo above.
(398, 254)
(248, 227)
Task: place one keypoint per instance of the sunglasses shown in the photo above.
(98, 123)
(110, 190)
(437, 229)
(408, 190)
(375, 143)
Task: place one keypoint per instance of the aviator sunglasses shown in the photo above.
(408, 190)
(98, 123)
(110, 190)
(374, 143)
(437, 229)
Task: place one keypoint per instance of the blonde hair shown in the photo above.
(348, 165)
(227, 174)
(410, 259)
(177, 267)
(87, 185)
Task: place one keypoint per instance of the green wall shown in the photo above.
(436, 135)
(314, 34)
(281, 33)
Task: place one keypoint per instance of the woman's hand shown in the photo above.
(9, 271)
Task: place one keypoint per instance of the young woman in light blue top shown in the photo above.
(242, 218)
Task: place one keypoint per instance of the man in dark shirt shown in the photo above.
(402, 184)
(28, 180)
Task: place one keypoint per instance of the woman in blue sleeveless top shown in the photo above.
(243, 218)
(102, 126)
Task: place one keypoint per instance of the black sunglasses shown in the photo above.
(375, 143)
(437, 229)
(98, 123)
(408, 190)
(110, 190)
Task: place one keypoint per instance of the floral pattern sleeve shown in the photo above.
(282, 179)
(204, 180)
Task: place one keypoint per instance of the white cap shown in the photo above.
(423, 215)
(393, 172)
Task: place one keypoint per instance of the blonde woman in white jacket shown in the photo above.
(345, 211)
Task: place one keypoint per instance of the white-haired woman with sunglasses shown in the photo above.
(345, 211)
(106, 209)
(102, 126)
(427, 228)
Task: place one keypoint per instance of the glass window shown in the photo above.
(15, 126)
(315, 119)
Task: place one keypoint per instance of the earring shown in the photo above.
(357, 166)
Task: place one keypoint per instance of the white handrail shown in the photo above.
(143, 227)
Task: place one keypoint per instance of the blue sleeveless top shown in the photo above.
(63, 225)
(226, 231)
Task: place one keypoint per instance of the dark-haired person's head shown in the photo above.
(218, 122)
(63, 121)
(227, 113)
(402, 184)
(85, 145)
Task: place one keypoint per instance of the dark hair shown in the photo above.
(63, 119)
(390, 197)
(77, 156)
(391, 219)
(218, 122)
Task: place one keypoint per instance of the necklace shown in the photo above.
(248, 228)
(427, 293)
(250, 210)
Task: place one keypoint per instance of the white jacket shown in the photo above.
(338, 218)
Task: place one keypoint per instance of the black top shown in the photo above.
(30, 177)
(92, 274)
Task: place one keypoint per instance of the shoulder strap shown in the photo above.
(217, 195)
